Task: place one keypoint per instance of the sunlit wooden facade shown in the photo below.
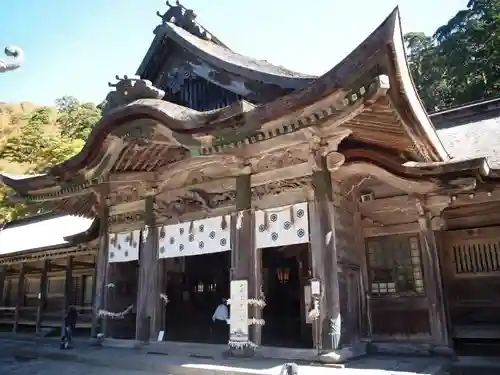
(47, 264)
(393, 210)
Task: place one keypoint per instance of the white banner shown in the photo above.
(238, 317)
(124, 247)
(282, 226)
(198, 237)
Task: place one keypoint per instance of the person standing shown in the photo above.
(69, 327)
(220, 320)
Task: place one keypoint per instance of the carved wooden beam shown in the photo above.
(402, 203)
(132, 177)
(408, 185)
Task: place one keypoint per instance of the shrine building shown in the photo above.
(209, 168)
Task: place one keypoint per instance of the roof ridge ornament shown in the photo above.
(185, 18)
(17, 60)
(128, 89)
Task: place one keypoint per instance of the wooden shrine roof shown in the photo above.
(367, 99)
(50, 231)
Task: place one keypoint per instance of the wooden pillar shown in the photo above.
(93, 329)
(433, 281)
(20, 297)
(3, 272)
(68, 284)
(160, 309)
(112, 277)
(42, 295)
(102, 264)
(365, 303)
(148, 293)
(324, 258)
(245, 258)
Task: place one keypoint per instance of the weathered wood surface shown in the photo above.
(360, 253)
(324, 260)
(245, 259)
(433, 281)
(20, 296)
(3, 273)
(101, 267)
(68, 285)
(42, 300)
(470, 272)
(148, 292)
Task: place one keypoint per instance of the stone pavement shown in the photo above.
(30, 357)
(13, 366)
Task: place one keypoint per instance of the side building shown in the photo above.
(212, 169)
(47, 264)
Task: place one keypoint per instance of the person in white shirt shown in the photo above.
(220, 320)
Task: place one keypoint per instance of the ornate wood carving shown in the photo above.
(126, 218)
(280, 159)
(195, 201)
(280, 187)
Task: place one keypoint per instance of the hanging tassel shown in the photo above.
(131, 238)
(223, 223)
(191, 227)
(239, 221)
(266, 220)
(292, 214)
(162, 232)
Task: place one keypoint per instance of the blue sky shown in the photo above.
(75, 47)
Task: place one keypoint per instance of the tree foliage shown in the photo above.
(33, 141)
(460, 63)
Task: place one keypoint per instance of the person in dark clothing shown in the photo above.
(69, 327)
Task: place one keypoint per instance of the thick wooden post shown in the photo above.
(112, 274)
(102, 264)
(93, 329)
(42, 295)
(148, 293)
(68, 285)
(20, 297)
(245, 259)
(160, 309)
(365, 304)
(3, 272)
(433, 281)
(324, 258)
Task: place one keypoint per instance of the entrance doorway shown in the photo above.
(124, 278)
(194, 292)
(286, 273)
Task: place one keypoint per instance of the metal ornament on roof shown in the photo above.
(16, 61)
(185, 18)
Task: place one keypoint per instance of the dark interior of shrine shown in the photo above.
(286, 273)
(122, 294)
(194, 293)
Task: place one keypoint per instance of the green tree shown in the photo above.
(460, 63)
(44, 137)
(76, 119)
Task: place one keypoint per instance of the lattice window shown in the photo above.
(476, 257)
(394, 264)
